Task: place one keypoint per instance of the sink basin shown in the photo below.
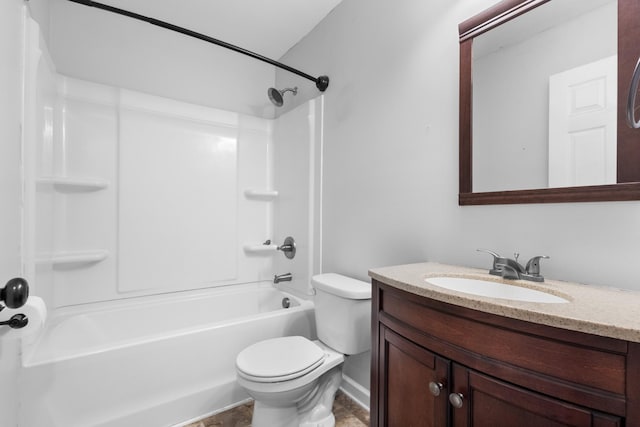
(489, 289)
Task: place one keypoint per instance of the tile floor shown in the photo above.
(347, 412)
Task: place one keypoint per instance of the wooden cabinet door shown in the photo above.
(407, 371)
(488, 402)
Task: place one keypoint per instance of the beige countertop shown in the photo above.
(597, 310)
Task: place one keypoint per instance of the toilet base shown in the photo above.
(313, 410)
(329, 421)
(269, 416)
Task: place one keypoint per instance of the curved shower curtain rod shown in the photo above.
(321, 82)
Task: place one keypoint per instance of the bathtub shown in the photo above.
(151, 361)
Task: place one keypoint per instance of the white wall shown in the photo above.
(391, 157)
(102, 47)
(11, 35)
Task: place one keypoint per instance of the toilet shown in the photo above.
(293, 380)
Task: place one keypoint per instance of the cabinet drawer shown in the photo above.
(557, 362)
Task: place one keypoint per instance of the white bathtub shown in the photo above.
(152, 361)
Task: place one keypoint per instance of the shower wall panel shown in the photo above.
(40, 109)
(83, 259)
(297, 175)
(146, 196)
(177, 205)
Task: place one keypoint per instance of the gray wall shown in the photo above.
(391, 158)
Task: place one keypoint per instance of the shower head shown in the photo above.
(276, 96)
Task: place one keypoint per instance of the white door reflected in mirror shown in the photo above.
(582, 125)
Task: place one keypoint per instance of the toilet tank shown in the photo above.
(343, 312)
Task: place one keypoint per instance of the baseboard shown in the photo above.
(355, 391)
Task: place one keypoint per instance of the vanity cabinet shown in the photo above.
(500, 371)
(410, 370)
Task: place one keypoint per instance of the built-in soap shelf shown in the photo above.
(66, 184)
(254, 194)
(260, 249)
(73, 258)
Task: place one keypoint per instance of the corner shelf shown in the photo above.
(65, 184)
(260, 249)
(261, 194)
(74, 258)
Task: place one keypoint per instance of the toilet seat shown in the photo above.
(279, 359)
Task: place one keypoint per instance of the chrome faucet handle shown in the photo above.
(533, 266)
(288, 248)
(496, 269)
(495, 255)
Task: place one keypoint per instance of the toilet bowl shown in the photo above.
(293, 380)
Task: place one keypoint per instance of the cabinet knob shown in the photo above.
(435, 388)
(456, 399)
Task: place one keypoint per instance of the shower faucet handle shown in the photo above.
(289, 247)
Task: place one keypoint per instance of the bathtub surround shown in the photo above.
(115, 174)
(130, 194)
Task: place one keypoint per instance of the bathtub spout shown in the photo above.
(287, 277)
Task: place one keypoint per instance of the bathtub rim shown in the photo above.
(29, 350)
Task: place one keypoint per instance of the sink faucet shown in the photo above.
(511, 269)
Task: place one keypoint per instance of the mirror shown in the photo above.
(558, 129)
(540, 89)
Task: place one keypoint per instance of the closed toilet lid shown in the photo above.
(279, 359)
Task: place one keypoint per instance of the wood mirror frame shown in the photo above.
(628, 157)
